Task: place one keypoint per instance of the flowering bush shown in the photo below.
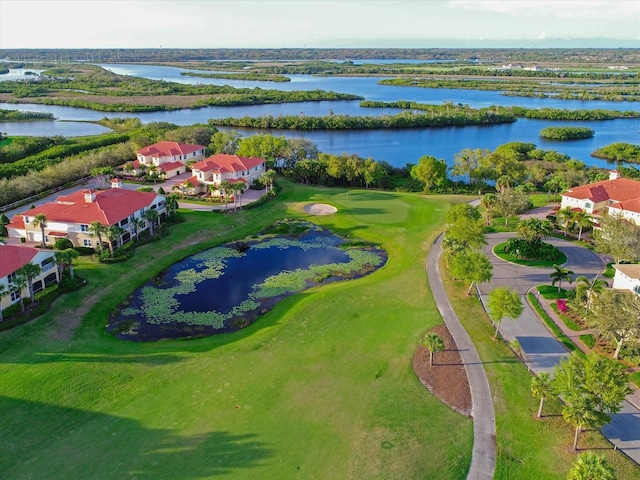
(562, 305)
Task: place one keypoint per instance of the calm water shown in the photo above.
(397, 147)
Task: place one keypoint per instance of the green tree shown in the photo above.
(4, 291)
(541, 387)
(172, 204)
(582, 220)
(504, 302)
(4, 221)
(616, 314)
(462, 211)
(65, 258)
(30, 271)
(225, 189)
(267, 179)
(591, 287)
(533, 229)
(589, 466)
(16, 286)
(592, 389)
(471, 266)
(151, 216)
(488, 203)
(564, 218)
(97, 228)
(225, 142)
(434, 343)
(114, 234)
(510, 203)
(40, 220)
(430, 171)
(559, 274)
(619, 238)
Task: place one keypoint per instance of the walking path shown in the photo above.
(540, 349)
(483, 458)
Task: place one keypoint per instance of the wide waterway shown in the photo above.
(398, 147)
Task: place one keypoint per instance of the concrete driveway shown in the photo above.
(540, 348)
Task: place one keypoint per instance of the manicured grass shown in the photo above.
(499, 251)
(527, 448)
(588, 339)
(635, 378)
(320, 387)
(551, 292)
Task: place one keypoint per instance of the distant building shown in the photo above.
(627, 277)
(169, 158)
(617, 195)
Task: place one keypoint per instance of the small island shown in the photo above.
(566, 133)
(16, 116)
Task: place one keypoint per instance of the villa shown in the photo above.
(627, 277)
(617, 195)
(209, 173)
(168, 158)
(14, 257)
(70, 216)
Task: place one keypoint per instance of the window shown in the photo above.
(26, 219)
(84, 228)
(11, 277)
(124, 221)
(15, 296)
(86, 242)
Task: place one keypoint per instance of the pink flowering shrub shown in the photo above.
(562, 305)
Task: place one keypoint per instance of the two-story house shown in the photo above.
(169, 158)
(14, 257)
(618, 196)
(70, 216)
(209, 173)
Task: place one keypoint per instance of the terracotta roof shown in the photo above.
(109, 207)
(631, 270)
(222, 162)
(165, 167)
(617, 190)
(169, 149)
(628, 205)
(12, 257)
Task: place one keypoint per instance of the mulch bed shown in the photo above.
(447, 378)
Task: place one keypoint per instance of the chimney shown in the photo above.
(614, 175)
(116, 183)
(90, 197)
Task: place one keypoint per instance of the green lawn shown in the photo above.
(320, 387)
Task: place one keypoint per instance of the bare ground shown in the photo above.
(447, 378)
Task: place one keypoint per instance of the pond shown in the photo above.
(224, 289)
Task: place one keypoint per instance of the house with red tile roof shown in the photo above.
(169, 158)
(14, 257)
(617, 195)
(209, 173)
(70, 216)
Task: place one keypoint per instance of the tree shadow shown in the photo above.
(150, 359)
(64, 442)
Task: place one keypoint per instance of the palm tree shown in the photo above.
(172, 204)
(17, 285)
(96, 228)
(559, 274)
(565, 216)
(541, 388)
(65, 258)
(40, 220)
(434, 343)
(3, 292)
(593, 286)
(237, 189)
(268, 178)
(114, 234)
(583, 220)
(590, 466)
(225, 188)
(151, 215)
(137, 224)
(30, 271)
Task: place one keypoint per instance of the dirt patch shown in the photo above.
(320, 209)
(447, 378)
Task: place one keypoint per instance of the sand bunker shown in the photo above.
(320, 209)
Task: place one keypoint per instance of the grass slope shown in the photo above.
(320, 387)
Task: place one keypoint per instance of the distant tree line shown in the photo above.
(17, 116)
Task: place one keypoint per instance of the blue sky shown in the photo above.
(320, 24)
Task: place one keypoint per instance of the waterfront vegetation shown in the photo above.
(249, 76)
(619, 152)
(16, 116)
(566, 133)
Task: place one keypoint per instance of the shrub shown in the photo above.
(562, 305)
(62, 244)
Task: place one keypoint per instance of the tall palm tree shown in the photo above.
(151, 215)
(434, 343)
(238, 190)
(596, 285)
(565, 217)
(40, 220)
(114, 234)
(172, 204)
(559, 274)
(97, 228)
(137, 224)
(65, 259)
(225, 189)
(542, 388)
(3, 291)
(268, 177)
(17, 285)
(583, 220)
(30, 271)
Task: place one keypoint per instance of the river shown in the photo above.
(398, 147)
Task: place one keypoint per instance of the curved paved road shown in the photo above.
(540, 348)
(483, 458)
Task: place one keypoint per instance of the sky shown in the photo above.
(318, 23)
